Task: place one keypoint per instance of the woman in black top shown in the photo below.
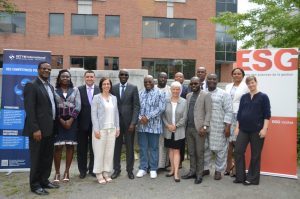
(253, 121)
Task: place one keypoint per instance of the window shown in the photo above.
(225, 44)
(111, 63)
(56, 24)
(84, 24)
(112, 26)
(87, 63)
(170, 66)
(169, 28)
(12, 23)
(57, 61)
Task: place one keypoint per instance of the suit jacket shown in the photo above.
(38, 109)
(98, 112)
(184, 92)
(180, 119)
(129, 105)
(84, 117)
(202, 109)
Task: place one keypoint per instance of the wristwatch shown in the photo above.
(204, 127)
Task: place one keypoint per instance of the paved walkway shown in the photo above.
(16, 186)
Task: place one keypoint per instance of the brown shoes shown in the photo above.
(218, 175)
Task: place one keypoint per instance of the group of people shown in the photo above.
(99, 119)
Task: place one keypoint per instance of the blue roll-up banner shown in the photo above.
(19, 67)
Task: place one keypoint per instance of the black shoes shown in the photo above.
(249, 183)
(82, 175)
(237, 181)
(205, 173)
(115, 174)
(177, 179)
(130, 175)
(50, 186)
(92, 174)
(188, 176)
(169, 174)
(40, 191)
(198, 180)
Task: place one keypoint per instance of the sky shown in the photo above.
(243, 7)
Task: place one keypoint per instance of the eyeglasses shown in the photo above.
(122, 74)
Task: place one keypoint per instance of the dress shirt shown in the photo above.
(51, 96)
(92, 89)
(153, 104)
(253, 112)
(121, 87)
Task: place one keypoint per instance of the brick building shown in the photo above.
(157, 35)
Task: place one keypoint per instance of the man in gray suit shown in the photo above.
(198, 121)
(129, 107)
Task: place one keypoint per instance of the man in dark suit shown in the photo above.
(39, 104)
(84, 135)
(184, 89)
(129, 107)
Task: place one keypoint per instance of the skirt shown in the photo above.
(174, 144)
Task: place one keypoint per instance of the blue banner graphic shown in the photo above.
(19, 67)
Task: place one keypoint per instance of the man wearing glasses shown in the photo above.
(129, 107)
(198, 122)
(39, 104)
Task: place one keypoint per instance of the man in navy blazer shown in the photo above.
(84, 135)
(39, 105)
(129, 107)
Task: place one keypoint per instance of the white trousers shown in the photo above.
(104, 150)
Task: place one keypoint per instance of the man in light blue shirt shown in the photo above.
(153, 104)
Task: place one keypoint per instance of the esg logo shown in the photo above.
(264, 59)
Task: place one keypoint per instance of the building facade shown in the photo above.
(158, 35)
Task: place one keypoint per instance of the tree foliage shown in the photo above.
(274, 23)
(7, 6)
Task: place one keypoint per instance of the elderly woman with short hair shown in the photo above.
(174, 120)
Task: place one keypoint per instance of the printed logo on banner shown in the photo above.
(276, 71)
(19, 68)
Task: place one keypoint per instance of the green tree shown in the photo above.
(274, 23)
(7, 6)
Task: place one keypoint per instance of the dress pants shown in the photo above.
(256, 144)
(195, 145)
(163, 159)
(148, 143)
(104, 150)
(84, 139)
(128, 137)
(41, 157)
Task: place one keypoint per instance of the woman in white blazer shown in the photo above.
(236, 90)
(105, 119)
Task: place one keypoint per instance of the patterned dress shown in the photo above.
(68, 105)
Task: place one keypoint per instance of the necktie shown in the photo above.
(122, 91)
(90, 95)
